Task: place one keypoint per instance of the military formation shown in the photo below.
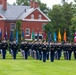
(39, 50)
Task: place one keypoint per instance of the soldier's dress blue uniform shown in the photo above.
(22, 48)
(48, 49)
(32, 49)
(40, 51)
(52, 52)
(74, 49)
(58, 49)
(44, 50)
(26, 49)
(14, 48)
(68, 51)
(36, 49)
(4, 48)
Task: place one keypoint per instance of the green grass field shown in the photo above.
(31, 66)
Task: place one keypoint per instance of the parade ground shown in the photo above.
(20, 66)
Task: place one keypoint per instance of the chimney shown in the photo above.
(0, 1)
(4, 4)
(35, 5)
(31, 3)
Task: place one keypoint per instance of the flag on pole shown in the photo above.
(65, 38)
(33, 35)
(59, 36)
(11, 36)
(44, 35)
(0, 34)
(55, 37)
(6, 35)
(17, 36)
(75, 36)
(38, 35)
(49, 37)
(22, 34)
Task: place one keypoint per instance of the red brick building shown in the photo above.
(31, 16)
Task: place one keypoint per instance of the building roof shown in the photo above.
(13, 12)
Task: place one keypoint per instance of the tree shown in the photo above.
(61, 16)
(72, 28)
(55, 14)
(18, 27)
(22, 2)
(49, 28)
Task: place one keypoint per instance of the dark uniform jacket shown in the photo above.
(4, 45)
(14, 46)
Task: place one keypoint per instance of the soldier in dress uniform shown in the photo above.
(58, 49)
(67, 51)
(48, 49)
(36, 54)
(44, 50)
(40, 50)
(32, 49)
(52, 51)
(14, 48)
(4, 48)
(74, 49)
(26, 49)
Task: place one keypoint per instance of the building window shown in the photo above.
(32, 16)
(12, 26)
(39, 17)
(27, 31)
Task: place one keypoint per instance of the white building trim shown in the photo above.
(35, 20)
(3, 18)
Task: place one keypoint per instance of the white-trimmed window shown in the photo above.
(39, 16)
(12, 26)
(32, 16)
(27, 32)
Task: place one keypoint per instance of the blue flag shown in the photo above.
(17, 36)
(6, 35)
(49, 37)
(55, 37)
(11, 36)
(0, 33)
(22, 34)
(38, 35)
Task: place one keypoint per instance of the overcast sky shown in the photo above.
(49, 3)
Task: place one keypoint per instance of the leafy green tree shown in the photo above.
(49, 28)
(22, 2)
(61, 17)
(18, 27)
(72, 28)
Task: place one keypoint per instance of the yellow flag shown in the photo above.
(59, 36)
(64, 36)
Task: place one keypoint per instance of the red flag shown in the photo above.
(44, 35)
